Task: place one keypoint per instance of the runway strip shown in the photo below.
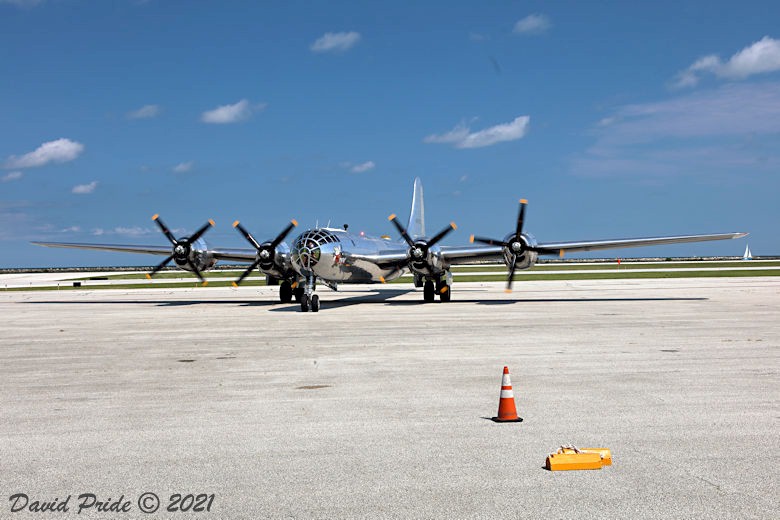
(376, 406)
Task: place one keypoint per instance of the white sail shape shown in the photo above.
(748, 255)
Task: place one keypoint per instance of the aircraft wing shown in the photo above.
(233, 255)
(484, 253)
(559, 248)
(384, 259)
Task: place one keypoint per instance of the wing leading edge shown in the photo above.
(233, 255)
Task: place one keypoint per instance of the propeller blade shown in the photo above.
(442, 234)
(197, 272)
(199, 233)
(160, 266)
(488, 241)
(392, 218)
(164, 228)
(246, 273)
(511, 274)
(283, 234)
(521, 217)
(246, 234)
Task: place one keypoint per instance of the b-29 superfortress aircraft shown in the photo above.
(336, 256)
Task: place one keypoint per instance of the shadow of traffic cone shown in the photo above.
(506, 403)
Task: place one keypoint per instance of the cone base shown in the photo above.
(496, 419)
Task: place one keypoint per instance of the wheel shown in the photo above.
(315, 303)
(428, 294)
(285, 292)
(304, 303)
(297, 293)
(445, 292)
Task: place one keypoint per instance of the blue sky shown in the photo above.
(626, 119)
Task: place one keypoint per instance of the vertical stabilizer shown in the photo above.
(416, 227)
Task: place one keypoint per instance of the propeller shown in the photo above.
(418, 250)
(515, 244)
(266, 252)
(182, 248)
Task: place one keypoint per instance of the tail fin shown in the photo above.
(416, 227)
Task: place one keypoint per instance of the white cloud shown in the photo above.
(462, 137)
(363, 167)
(761, 57)
(533, 24)
(13, 176)
(734, 129)
(22, 3)
(71, 229)
(224, 114)
(84, 189)
(134, 231)
(183, 167)
(59, 151)
(335, 42)
(145, 112)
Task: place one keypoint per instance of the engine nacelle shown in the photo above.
(280, 265)
(198, 256)
(524, 258)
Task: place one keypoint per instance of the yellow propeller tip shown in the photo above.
(391, 217)
(508, 291)
(294, 285)
(444, 289)
(205, 283)
(294, 222)
(561, 253)
(453, 225)
(234, 284)
(155, 216)
(471, 239)
(211, 221)
(235, 223)
(523, 201)
(382, 279)
(148, 276)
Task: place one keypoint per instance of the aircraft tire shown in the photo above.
(428, 294)
(297, 293)
(315, 303)
(304, 303)
(285, 292)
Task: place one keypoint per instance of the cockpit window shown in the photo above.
(306, 248)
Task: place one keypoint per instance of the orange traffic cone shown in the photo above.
(506, 403)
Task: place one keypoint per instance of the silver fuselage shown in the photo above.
(329, 254)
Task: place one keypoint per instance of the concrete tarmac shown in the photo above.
(378, 406)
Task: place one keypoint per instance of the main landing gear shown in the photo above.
(309, 300)
(289, 291)
(285, 292)
(430, 291)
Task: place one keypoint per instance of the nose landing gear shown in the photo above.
(308, 299)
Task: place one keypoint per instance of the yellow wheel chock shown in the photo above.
(570, 457)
